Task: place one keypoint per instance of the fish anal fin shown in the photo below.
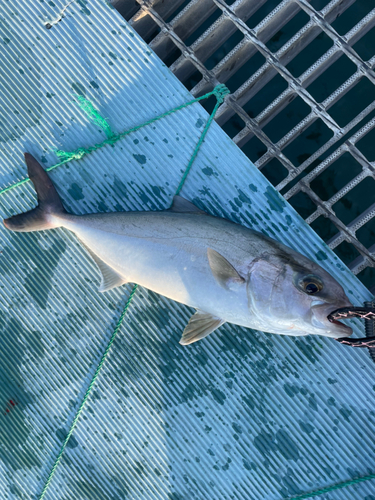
(184, 206)
(223, 271)
(200, 325)
(110, 277)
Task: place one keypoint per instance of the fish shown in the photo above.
(226, 271)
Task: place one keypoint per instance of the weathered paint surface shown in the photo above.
(242, 414)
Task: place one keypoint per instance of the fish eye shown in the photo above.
(310, 284)
(311, 288)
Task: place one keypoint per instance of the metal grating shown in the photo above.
(206, 42)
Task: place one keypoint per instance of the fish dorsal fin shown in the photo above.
(181, 205)
(110, 278)
(200, 325)
(223, 271)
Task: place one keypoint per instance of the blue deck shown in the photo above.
(241, 414)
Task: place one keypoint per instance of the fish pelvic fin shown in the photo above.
(110, 278)
(200, 325)
(49, 202)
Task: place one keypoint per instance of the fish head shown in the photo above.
(291, 295)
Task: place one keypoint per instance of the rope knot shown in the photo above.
(74, 155)
(220, 91)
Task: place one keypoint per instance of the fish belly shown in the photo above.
(171, 263)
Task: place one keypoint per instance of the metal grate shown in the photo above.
(206, 42)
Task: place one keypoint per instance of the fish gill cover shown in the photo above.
(241, 414)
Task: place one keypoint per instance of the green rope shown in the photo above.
(334, 487)
(201, 139)
(93, 115)
(87, 393)
(219, 92)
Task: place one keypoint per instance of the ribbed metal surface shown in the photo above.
(240, 414)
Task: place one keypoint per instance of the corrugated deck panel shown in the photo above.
(241, 414)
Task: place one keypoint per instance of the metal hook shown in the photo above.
(368, 314)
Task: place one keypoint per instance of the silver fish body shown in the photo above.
(166, 252)
(228, 272)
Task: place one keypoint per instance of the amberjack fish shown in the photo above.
(227, 272)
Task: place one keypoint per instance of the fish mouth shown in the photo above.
(332, 327)
(343, 330)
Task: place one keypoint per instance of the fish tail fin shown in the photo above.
(49, 203)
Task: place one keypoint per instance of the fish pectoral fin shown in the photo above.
(181, 205)
(223, 271)
(110, 278)
(200, 325)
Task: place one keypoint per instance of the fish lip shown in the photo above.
(346, 330)
(341, 330)
(333, 329)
